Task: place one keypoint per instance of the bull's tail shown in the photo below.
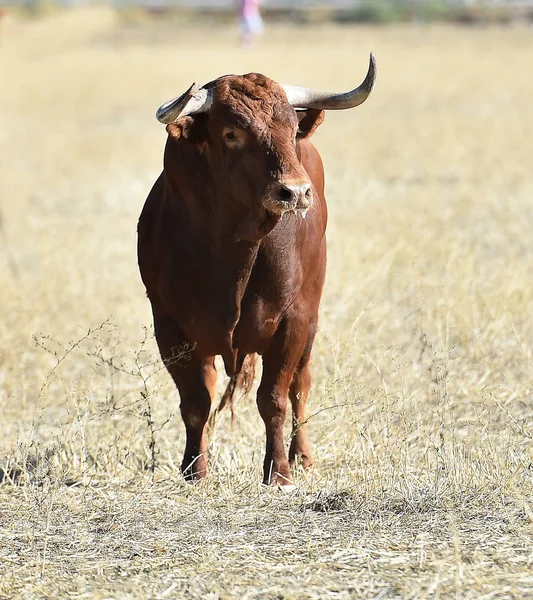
(242, 382)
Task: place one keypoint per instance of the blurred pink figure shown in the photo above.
(251, 22)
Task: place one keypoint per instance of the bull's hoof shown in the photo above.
(300, 458)
(289, 488)
(194, 468)
(285, 486)
(277, 476)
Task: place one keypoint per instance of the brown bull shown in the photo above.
(232, 250)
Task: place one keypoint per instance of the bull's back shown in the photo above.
(147, 237)
(312, 163)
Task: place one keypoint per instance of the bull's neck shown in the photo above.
(206, 201)
(196, 195)
(215, 232)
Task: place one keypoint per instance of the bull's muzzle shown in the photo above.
(284, 196)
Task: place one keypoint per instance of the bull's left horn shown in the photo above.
(195, 100)
(301, 97)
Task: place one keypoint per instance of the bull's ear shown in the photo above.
(308, 121)
(190, 130)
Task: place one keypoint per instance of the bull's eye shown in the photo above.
(234, 139)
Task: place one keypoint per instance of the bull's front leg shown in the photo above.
(196, 382)
(300, 450)
(279, 365)
(196, 386)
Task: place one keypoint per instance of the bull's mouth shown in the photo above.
(253, 229)
(279, 208)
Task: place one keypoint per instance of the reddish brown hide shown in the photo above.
(232, 251)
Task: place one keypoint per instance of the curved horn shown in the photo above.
(301, 97)
(195, 100)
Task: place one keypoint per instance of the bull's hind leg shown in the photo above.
(196, 382)
(279, 365)
(300, 450)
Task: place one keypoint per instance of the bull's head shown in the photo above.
(248, 129)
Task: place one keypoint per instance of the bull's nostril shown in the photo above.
(308, 193)
(285, 194)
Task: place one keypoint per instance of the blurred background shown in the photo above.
(376, 11)
(422, 393)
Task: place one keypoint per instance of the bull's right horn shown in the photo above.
(195, 100)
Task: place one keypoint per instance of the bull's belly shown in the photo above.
(214, 321)
(212, 333)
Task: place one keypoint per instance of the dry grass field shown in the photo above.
(421, 413)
